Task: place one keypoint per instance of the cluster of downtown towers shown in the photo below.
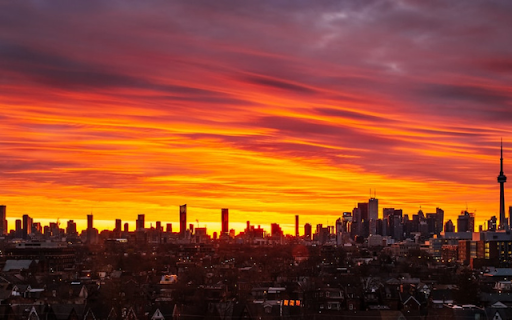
(360, 223)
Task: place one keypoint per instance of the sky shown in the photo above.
(268, 108)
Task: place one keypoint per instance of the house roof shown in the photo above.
(17, 265)
(499, 272)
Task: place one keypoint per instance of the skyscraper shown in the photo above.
(501, 180)
(297, 226)
(3, 220)
(27, 226)
(183, 219)
(225, 220)
(373, 209)
(439, 220)
(89, 222)
(307, 231)
(373, 214)
(118, 226)
(141, 222)
(71, 228)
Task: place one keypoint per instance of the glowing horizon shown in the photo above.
(268, 109)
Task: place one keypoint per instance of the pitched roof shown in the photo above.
(17, 265)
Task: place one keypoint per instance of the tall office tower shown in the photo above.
(373, 215)
(398, 228)
(119, 227)
(466, 222)
(373, 209)
(71, 228)
(431, 222)
(126, 228)
(307, 231)
(471, 221)
(501, 180)
(3, 220)
(276, 231)
(37, 228)
(440, 220)
(27, 226)
(183, 220)
(168, 228)
(91, 234)
(363, 208)
(296, 225)
(509, 217)
(141, 223)
(386, 212)
(225, 221)
(356, 223)
(491, 224)
(159, 226)
(449, 227)
(18, 230)
(89, 222)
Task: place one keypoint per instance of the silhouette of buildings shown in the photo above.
(183, 220)
(297, 226)
(307, 231)
(141, 222)
(3, 220)
(225, 221)
(27, 226)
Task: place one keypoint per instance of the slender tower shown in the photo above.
(501, 180)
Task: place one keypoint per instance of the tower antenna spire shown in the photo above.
(501, 157)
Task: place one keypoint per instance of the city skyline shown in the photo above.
(270, 110)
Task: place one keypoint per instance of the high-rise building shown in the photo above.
(307, 231)
(27, 226)
(373, 209)
(71, 228)
(225, 221)
(386, 212)
(3, 220)
(491, 224)
(168, 228)
(183, 220)
(363, 209)
(18, 229)
(141, 222)
(89, 222)
(449, 227)
(501, 180)
(466, 222)
(297, 226)
(126, 227)
(275, 231)
(439, 220)
(356, 223)
(119, 225)
(92, 234)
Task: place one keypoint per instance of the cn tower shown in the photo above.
(501, 180)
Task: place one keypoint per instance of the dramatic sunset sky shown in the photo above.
(268, 108)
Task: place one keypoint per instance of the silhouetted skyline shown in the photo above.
(268, 109)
